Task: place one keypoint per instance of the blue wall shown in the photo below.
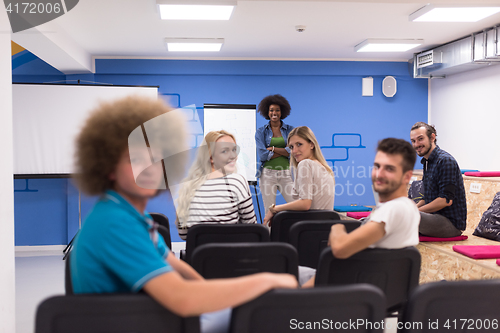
(326, 96)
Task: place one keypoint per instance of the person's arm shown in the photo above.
(264, 153)
(246, 210)
(420, 203)
(345, 244)
(279, 151)
(435, 205)
(301, 204)
(192, 298)
(181, 267)
(447, 185)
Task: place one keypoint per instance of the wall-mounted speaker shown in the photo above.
(389, 86)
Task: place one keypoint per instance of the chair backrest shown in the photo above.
(119, 313)
(238, 259)
(455, 306)
(311, 237)
(163, 228)
(219, 233)
(313, 309)
(68, 285)
(283, 221)
(395, 271)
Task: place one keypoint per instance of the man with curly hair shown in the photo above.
(124, 152)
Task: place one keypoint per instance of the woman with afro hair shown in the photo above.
(274, 155)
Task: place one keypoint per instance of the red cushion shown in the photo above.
(441, 239)
(478, 251)
(483, 174)
(358, 215)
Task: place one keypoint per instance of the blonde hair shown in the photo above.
(307, 134)
(198, 174)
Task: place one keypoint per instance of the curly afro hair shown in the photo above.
(276, 100)
(105, 137)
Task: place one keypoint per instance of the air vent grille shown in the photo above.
(425, 59)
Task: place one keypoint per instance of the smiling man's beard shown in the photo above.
(425, 152)
(391, 187)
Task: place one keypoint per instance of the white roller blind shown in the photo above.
(47, 119)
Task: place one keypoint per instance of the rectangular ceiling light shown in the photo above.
(214, 10)
(194, 44)
(387, 45)
(444, 13)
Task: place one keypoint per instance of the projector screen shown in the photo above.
(47, 118)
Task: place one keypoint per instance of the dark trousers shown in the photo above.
(435, 225)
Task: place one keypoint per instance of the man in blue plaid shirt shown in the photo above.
(443, 210)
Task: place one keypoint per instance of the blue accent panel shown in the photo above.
(353, 138)
(22, 58)
(72, 211)
(77, 201)
(38, 78)
(26, 63)
(249, 67)
(26, 187)
(87, 203)
(40, 217)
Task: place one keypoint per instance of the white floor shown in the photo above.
(41, 274)
(37, 277)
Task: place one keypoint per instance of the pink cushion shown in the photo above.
(358, 215)
(498, 262)
(441, 239)
(483, 174)
(478, 251)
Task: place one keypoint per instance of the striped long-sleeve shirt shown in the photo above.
(225, 200)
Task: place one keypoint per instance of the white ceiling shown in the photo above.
(258, 29)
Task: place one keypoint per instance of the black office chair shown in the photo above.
(163, 228)
(238, 259)
(396, 272)
(311, 237)
(454, 306)
(68, 285)
(219, 233)
(121, 313)
(283, 221)
(284, 310)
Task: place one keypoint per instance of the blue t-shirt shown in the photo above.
(117, 249)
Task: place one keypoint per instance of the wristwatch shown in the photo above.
(271, 208)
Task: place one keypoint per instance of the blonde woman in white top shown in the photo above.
(314, 184)
(213, 192)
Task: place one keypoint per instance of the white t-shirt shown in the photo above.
(401, 218)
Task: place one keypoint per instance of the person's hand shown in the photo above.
(336, 228)
(268, 218)
(270, 148)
